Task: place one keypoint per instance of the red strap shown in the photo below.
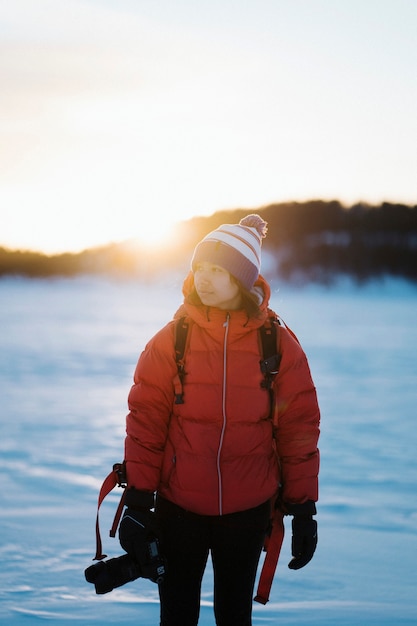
(273, 549)
(117, 515)
(108, 484)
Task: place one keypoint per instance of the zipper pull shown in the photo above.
(226, 324)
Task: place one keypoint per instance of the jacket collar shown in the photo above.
(210, 317)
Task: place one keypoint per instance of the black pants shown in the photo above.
(235, 542)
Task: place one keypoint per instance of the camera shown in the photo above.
(107, 575)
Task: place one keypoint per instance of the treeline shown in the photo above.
(114, 258)
(319, 240)
(308, 241)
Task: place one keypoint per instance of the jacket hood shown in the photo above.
(205, 315)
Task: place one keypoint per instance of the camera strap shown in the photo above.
(273, 546)
(116, 477)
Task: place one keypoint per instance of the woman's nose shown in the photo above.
(204, 279)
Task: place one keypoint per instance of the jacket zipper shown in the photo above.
(219, 473)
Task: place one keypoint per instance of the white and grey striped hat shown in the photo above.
(236, 248)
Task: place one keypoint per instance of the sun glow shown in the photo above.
(154, 232)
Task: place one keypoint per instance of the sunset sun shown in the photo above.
(154, 231)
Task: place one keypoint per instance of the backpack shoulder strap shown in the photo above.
(269, 363)
(181, 333)
(270, 338)
(271, 357)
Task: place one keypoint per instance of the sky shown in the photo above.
(119, 118)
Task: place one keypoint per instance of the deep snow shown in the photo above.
(67, 353)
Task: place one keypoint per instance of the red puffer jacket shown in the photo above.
(219, 452)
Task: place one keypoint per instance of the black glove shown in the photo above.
(138, 527)
(304, 534)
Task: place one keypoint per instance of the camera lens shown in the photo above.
(107, 575)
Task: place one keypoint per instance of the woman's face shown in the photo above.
(216, 287)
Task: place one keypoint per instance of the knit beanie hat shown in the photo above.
(236, 248)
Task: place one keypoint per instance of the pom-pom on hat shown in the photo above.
(236, 248)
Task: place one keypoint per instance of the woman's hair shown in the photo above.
(250, 300)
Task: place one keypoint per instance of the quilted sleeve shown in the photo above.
(297, 422)
(150, 404)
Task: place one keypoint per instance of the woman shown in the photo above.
(216, 459)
